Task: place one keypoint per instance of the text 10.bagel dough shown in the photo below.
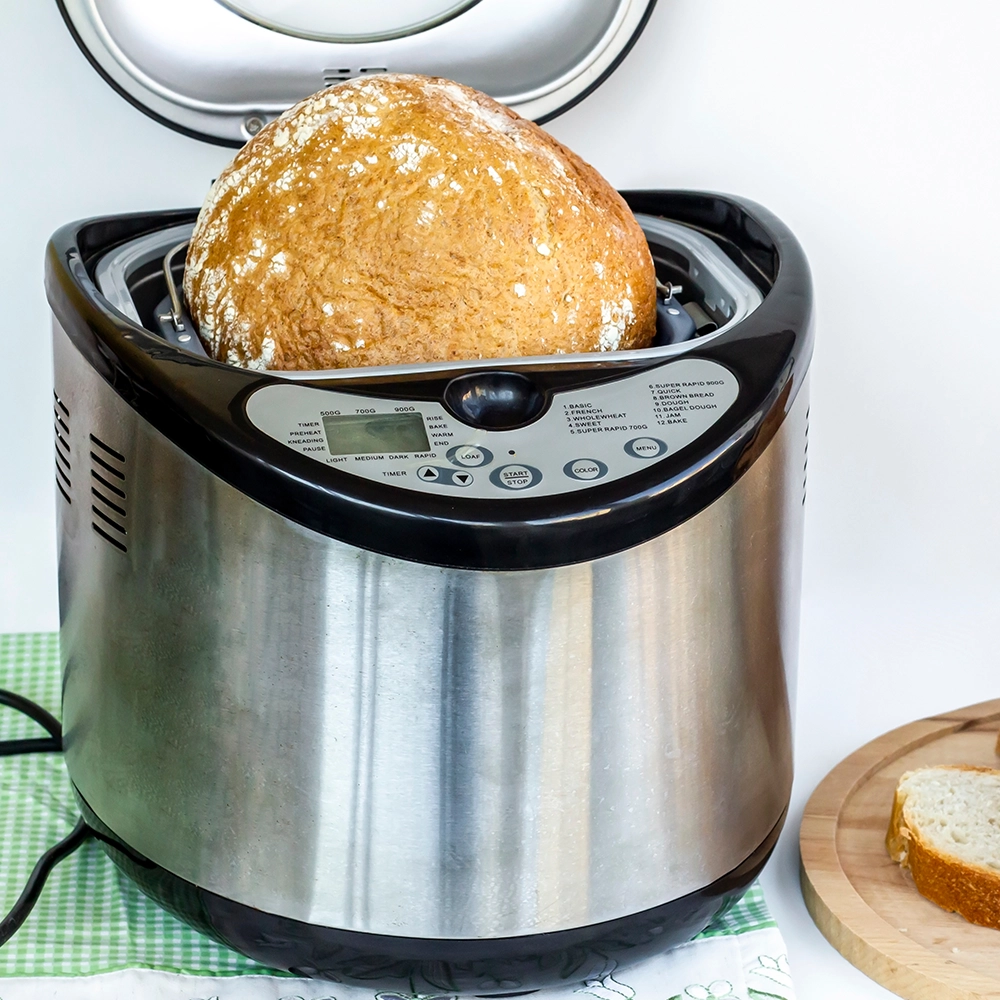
(397, 219)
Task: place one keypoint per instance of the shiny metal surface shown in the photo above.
(205, 67)
(347, 20)
(366, 743)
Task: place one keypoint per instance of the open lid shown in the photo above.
(219, 70)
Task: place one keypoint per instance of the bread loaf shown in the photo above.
(945, 828)
(398, 219)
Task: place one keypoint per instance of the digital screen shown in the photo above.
(375, 433)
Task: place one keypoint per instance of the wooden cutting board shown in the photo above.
(867, 906)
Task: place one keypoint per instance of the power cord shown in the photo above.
(81, 832)
(50, 744)
(36, 880)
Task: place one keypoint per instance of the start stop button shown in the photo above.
(515, 477)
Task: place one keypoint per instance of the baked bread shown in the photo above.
(945, 828)
(396, 219)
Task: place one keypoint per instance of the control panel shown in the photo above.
(587, 436)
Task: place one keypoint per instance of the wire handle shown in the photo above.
(176, 307)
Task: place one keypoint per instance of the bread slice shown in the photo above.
(945, 828)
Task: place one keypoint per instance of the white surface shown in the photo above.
(872, 130)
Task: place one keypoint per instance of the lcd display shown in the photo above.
(375, 433)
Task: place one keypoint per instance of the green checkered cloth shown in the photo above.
(90, 918)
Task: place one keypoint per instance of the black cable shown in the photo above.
(50, 744)
(11, 748)
(36, 881)
(81, 832)
(45, 719)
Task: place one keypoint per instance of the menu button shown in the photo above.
(645, 447)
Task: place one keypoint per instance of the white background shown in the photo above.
(872, 130)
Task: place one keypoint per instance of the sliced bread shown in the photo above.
(945, 828)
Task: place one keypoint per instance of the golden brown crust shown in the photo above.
(405, 219)
(970, 891)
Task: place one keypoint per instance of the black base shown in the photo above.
(412, 966)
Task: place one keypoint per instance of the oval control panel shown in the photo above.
(587, 436)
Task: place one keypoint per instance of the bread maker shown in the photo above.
(453, 677)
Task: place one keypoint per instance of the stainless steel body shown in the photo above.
(363, 742)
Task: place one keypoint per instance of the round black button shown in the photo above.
(469, 456)
(495, 400)
(645, 447)
(585, 469)
(515, 477)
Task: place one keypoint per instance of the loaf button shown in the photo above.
(469, 456)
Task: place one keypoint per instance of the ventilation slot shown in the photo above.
(372, 69)
(107, 490)
(332, 76)
(63, 467)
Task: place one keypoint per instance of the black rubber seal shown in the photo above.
(198, 404)
(619, 59)
(415, 966)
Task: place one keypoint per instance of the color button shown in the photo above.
(515, 477)
(645, 448)
(585, 469)
(469, 456)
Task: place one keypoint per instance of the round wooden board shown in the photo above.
(867, 906)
